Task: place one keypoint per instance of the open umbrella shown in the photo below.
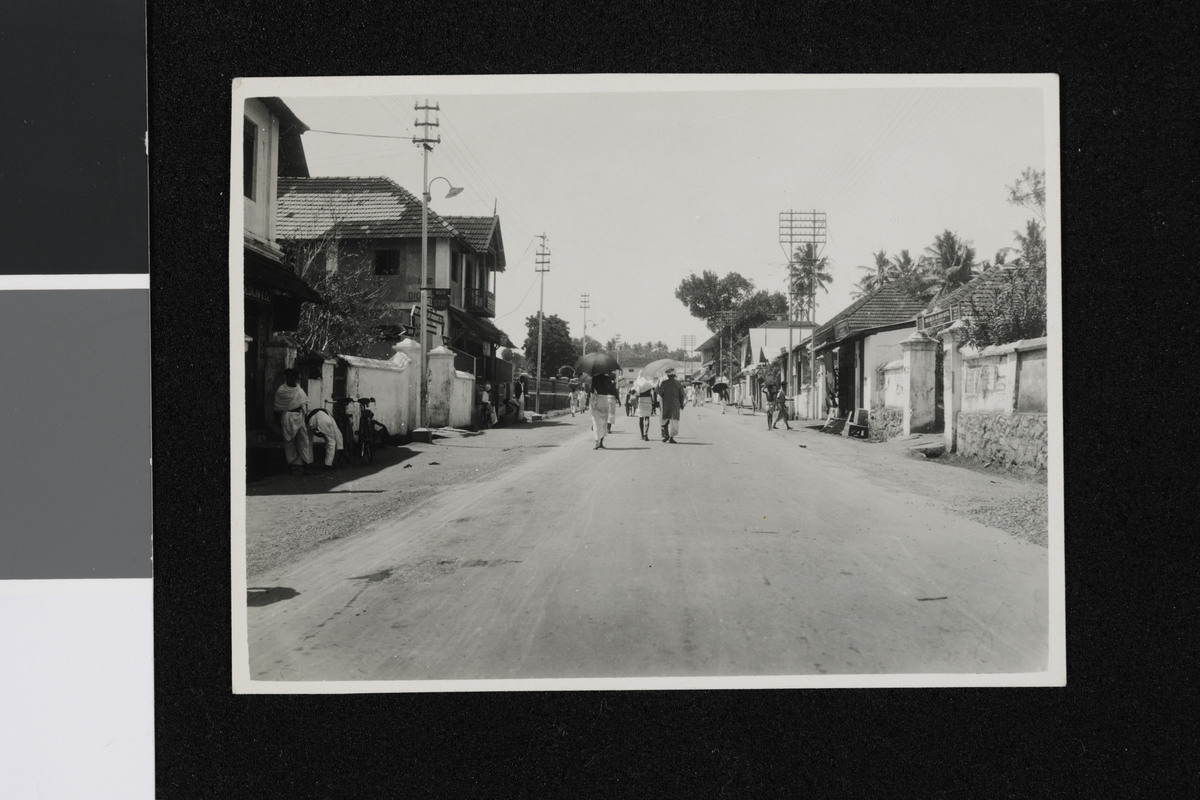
(596, 364)
(720, 383)
(642, 384)
(655, 368)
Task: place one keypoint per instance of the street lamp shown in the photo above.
(425, 288)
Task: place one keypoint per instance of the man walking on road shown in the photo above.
(602, 390)
(673, 397)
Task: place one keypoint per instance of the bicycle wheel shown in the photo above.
(365, 448)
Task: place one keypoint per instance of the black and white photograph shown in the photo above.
(645, 381)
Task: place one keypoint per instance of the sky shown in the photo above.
(639, 181)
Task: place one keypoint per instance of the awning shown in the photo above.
(260, 271)
(479, 328)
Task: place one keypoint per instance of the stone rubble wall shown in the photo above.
(886, 423)
(1019, 439)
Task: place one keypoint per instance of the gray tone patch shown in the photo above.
(75, 488)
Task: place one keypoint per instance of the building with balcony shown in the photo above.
(373, 225)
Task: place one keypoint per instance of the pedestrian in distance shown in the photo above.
(769, 391)
(630, 401)
(603, 390)
(673, 397)
(614, 402)
(290, 405)
(645, 402)
(485, 407)
(780, 411)
(519, 399)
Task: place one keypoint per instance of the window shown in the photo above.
(387, 262)
(455, 261)
(249, 151)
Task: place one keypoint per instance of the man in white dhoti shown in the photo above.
(290, 404)
(320, 421)
(602, 387)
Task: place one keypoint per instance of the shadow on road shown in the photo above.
(317, 481)
(265, 596)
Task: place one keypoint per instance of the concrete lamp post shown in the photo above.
(425, 287)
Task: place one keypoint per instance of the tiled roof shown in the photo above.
(380, 208)
(481, 233)
(981, 290)
(886, 306)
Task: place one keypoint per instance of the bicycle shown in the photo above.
(341, 416)
(370, 432)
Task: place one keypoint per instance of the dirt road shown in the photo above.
(734, 552)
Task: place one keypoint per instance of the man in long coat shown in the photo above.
(672, 396)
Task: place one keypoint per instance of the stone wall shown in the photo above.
(886, 423)
(1019, 439)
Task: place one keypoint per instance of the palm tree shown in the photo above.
(1032, 245)
(909, 275)
(949, 262)
(876, 276)
(808, 271)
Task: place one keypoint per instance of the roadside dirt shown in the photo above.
(1014, 501)
(288, 516)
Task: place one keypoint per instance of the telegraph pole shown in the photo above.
(426, 143)
(542, 266)
(688, 343)
(585, 303)
(803, 228)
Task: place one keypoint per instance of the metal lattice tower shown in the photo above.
(797, 229)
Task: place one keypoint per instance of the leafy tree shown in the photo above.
(348, 322)
(558, 348)
(707, 295)
(1029, 191)
(948, 263)
(758, 308)
(517, 359)
(1016, 310)
(807, 272)
(876, 276)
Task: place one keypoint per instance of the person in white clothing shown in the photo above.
(290, 404)
(320, 421)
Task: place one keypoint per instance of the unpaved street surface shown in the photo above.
(735, 552)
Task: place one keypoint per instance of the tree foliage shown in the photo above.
(759, 307)
(807, 272)
(1029, 191)
(876, 276)
(949, 263)
(517, 359)
(1017, 309)
(707, 295)
(348, 322)
(558, 348)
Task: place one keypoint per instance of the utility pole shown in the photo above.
(426, 143)
(803, 228)
(688, 343)
(542, 266)
(585, 303)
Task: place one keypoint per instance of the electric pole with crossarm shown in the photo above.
(542, 266)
